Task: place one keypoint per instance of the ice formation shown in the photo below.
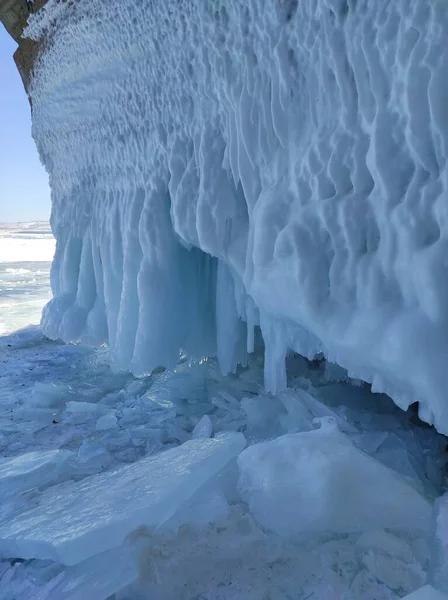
(318, 481)
(221, 165)
(440, 549)
(122, 448)
(74, 522)
(32, 469)
(93, 579)
(427, 592)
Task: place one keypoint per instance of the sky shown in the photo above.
(24, 190)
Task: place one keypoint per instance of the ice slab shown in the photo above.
(91, 458)
(203, 429)
(80, 412)
(318, 481)
(49, 395)
(439, 555)
(303, 408)
(33, 469)
(94, 579)
(426, 592)
(78, 520)
(208, 505)
(262, 411)
(106, 422)
(387, 544)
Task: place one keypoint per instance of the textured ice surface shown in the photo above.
(208, 505)
(215, 166)
(94, 579)
(237, 560)
(49, 395)
(427, 592)
(78, 520)
(439, 575)
(32, 470)
(386, 543)
(224, 554)
(318, 481)
(302, 409)
(203, 429)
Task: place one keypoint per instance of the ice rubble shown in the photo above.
(212, 546)
(76, 521)
(218, 166)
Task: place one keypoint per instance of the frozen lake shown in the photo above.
(26, 252)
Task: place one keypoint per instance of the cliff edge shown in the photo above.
(14, 15)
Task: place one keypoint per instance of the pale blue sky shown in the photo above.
(24, 191)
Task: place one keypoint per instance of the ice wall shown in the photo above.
(220, 164)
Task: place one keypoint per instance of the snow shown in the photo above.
(219, 167)
(19, 247)
(74, 522)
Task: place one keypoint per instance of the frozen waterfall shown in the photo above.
(217, 166)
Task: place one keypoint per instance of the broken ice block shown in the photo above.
(78, 520)
(387, 544)
(92, 458)
(208, 505)
(203, 429)
(49, 395)
(318, 481)
(106, 422)
(427, 592)
(80, 412)
(96, 578)
(33, 469)
(439, 554)
(302, 409)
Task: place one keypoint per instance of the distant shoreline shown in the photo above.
(25, 227)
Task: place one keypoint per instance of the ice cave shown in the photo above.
(249, 201)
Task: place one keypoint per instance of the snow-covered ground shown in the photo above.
(142, 487)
